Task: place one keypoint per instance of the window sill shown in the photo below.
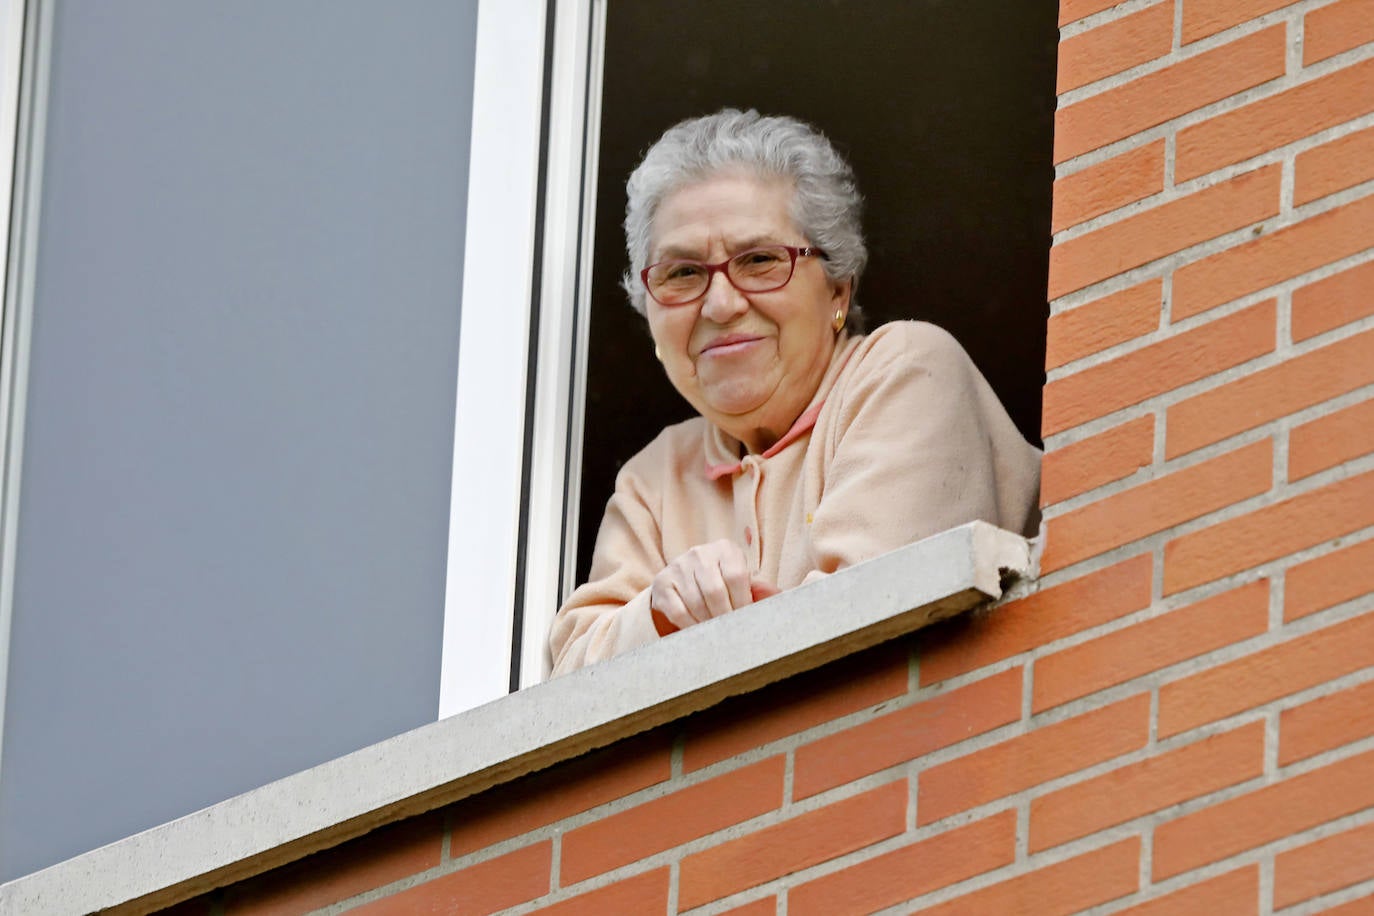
(537, 727)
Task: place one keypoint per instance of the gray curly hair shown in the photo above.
(826, 205)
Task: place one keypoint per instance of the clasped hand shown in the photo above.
(707, 581)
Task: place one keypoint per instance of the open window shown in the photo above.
(945, 110)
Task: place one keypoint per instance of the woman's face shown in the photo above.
(748, 362)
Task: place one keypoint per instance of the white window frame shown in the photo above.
(565, 320)
(493, 357)
(504, 585)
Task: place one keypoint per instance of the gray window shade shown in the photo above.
(234, 509)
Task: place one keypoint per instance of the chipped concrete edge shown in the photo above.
(534, 728)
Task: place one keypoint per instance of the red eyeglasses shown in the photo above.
(758, 270)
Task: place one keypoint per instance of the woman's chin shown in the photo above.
(729, 410)
(729, 395)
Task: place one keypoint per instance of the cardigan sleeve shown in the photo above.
(919, 444)
(610, 613)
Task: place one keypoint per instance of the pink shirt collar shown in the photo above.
(801, 427)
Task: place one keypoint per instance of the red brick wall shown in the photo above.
(1181, 718)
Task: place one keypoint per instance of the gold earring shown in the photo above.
(839, 320)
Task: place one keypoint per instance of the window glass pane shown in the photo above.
(234, 510)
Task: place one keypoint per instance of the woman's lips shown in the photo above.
(731, 343)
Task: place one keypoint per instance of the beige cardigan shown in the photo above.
(908, 440)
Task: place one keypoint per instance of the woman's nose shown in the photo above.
(723, 302)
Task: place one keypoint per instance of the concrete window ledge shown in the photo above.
(535, 728)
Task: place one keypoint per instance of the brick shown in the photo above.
(1151, 785)
(1331, 440)
(1235, 893)
(799, 703)
(1338, 300)
(1339, 27)
(370, 861)
(1269, 394)
(907, 734)
(1275, 121)
(1160, 367)
(1161, 503)
(1208, 17)
(972, 641)
(1262, 816)
(1103, 323)
(478, 889)
(571, 788)
(1334, 166)
(1111, 455)
(1090, 463)
(1364, 906)
(645, 893)
(1045, 753)
(1163, 230)
(904, 874)
(1327, 865)
(1261, 677)
(1328, 580)
(1151, 645)
(1326, 723)
(1059, 889)
(1273, 258)
(1267, 534)
(768, 906)
(792, 845)
(663, 823)
(1108, 186)
(1161, 96)
(1074, 10)
(1116, 46)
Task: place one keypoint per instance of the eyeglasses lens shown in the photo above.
(757, 270)
(674, 282)
(761, 269)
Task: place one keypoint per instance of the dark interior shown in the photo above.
(944, 108)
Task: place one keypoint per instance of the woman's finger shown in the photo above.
(713, 593)
(665, 599)
(734, 568)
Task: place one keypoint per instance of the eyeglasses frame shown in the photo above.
(793, 251)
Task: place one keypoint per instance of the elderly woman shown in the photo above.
(816, 447)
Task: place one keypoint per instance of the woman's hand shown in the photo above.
(707, 581)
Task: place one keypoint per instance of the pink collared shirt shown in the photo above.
(903, 439)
